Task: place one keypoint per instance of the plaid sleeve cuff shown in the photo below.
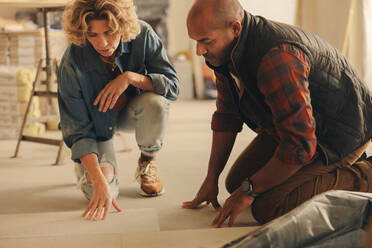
(289, 153)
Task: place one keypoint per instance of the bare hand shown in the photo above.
(207, 193)
(234, 205)
(110, 94)
(100, 203)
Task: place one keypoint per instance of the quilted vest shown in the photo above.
(341, 101)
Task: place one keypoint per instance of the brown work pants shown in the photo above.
(312, 179)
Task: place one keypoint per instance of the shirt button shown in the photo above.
(110, 128)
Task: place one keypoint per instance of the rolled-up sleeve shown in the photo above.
(159, 69)
(226, 118)
(283, 80)
(75, 122)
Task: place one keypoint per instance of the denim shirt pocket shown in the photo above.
(103, 122)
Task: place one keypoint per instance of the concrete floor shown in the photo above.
(40, 205)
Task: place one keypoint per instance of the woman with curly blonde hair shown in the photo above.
(115, 75)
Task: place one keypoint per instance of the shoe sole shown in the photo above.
(144, 194)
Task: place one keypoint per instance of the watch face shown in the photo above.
(246, 186)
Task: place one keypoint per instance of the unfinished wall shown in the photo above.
(326, 19)
(329, 19)
(178, 38)
(367, 14)
(282, 11)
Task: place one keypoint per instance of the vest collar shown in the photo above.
(237, 51)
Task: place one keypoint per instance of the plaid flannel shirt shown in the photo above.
(283, 80)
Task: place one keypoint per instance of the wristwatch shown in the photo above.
(247, 188)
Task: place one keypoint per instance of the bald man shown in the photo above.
(311, 111)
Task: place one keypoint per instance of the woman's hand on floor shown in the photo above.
(100, 203)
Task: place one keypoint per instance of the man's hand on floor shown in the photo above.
(234, 205)
(207, 193)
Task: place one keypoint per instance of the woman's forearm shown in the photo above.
(90, 162)
(139, 81)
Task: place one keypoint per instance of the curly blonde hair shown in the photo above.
(120, 14)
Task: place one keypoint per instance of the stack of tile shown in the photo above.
(20, 53)
(10, 119)
(57, 45)
(25, 48)
(34, 125)
(15, 93)
(4, 51)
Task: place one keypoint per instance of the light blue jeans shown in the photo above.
(146, 115)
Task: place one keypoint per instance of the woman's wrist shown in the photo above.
(93, 170)
(138, 80)
(99, 180)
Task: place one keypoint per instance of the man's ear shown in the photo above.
(237, 28)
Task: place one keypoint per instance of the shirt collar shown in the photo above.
(123, 48)
(238, 50)
(91, 55)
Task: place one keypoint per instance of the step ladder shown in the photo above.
(48, 93)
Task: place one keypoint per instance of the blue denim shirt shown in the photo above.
(82, 75)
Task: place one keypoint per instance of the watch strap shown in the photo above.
(248, 188)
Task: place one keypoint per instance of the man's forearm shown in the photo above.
(272, 174)
(222, 145)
